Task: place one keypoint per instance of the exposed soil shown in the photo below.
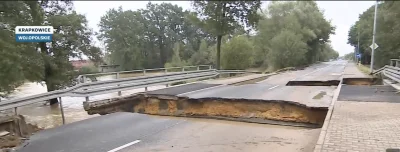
(240, 108)
(18, 131)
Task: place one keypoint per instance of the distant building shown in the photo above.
(77, 64)
(108, 68)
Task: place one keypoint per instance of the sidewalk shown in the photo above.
(362, 126)
(351, 71)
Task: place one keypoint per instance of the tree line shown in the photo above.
(387, 33)
(226, 34)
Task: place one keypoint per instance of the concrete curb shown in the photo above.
(322, 135)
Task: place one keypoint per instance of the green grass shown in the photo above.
(364, 69)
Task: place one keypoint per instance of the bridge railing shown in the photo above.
(391, 71)
(84, 78)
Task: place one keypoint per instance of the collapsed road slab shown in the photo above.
(362, 93)
(315, 96)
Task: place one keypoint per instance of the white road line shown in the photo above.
(313, 72)
(124, 146)
(273, 87)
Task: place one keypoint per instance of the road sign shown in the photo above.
(374, 46)
(358, 55)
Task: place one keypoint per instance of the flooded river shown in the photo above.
(46, 116)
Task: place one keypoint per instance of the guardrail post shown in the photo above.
(144, 71)
(18, 122)
(198, 68)
(166, 85)
(397, 63)
(117, 77)
(145, 89)
(87, 98)
(84, 78)
(62, 112)
(166, 70)
(183, 69)
(210, 67)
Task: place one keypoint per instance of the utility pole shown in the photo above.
(373, 38)
(358, 43)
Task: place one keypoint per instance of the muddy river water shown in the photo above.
(46, 116)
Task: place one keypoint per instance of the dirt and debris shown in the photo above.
(15, 130)
(362, 81)
(319, 95)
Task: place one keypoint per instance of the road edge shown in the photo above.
(322, 134)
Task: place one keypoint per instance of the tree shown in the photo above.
(145, 38)
(387, 33)
(18, 61)
(49, 62)
(287, 50)
(237, 53)
(291, 34)
(176, 60)
(222, 17)
(123, 32)
(202, 56)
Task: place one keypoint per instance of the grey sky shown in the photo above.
(342, 14)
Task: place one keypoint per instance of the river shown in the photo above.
(45, 116)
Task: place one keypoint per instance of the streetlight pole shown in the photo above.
(358, 44)
(373, 38)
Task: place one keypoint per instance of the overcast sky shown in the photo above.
(342, 14)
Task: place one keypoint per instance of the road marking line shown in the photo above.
(124, 146)
(312, 72)
(273, 87)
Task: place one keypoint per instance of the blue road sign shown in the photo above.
(358, 55)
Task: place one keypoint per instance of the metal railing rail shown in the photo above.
(391, 71)
(82, 78)
(101, 87)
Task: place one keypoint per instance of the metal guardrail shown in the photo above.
(116, 85)
(108, 86)
(391, 71)
(83, 78)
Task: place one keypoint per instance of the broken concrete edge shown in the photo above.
(169, 106)
(362, 81)
(314, 83)
(322, 135)
(18, 131)
(254, 100)
(121, 100)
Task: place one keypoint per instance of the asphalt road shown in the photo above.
(123, 132)
(274, 88)
(128, 132)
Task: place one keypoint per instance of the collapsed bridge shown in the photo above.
(254, 100)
